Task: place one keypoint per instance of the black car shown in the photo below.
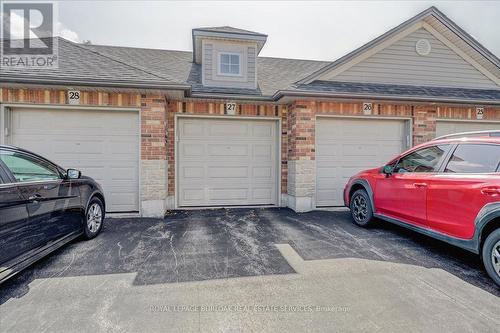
(42, 207)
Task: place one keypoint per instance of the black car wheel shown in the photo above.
(361, 209)
(94, 218)
(491, 255)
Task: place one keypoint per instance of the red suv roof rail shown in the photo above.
(493, 133)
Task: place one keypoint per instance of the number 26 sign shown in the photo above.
(367, 108)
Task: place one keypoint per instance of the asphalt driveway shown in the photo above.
(252, 270)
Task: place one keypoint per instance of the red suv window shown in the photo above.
(423, 160)
(474, 158)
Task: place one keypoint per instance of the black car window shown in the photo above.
(26, 168)
(423, 160)
(474, 158)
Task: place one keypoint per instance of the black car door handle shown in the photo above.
(35, 198)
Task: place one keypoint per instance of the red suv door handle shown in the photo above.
(490, 191)
(420, 184)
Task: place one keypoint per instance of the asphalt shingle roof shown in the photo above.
(393, 90)
(273, 74)
(79, 63)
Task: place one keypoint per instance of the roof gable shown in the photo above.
(400, 63)
(435, 23)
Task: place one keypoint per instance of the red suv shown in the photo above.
(448, 188)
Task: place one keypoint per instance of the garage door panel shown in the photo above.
(193, 195)
(228, 150)
(228, 172)
(224, 129)
(192, 172)
(190, 129)
(450, 127)
(234, 162)
(262, 193)
(263, 152)
(192, 149)
(222, 194)
(327, 196)
(263, 131)
(262, 173)
(102, 144)
(346, 146)
(350, 129)
(122, 173)
(357, 149)
(121, 200)
(325, 150)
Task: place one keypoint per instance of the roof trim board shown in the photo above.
(407, 98)
(230, 30)
(279, 96)
(96, 83)
(455, 28)
(462, 54)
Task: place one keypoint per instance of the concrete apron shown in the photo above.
(328, 295)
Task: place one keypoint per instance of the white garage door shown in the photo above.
(450, 127)
(102, 144)
(345, 146)
(224, 162)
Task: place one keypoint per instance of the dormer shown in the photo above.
(228, 56)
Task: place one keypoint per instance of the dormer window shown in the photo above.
(228, 56)
(229, 64)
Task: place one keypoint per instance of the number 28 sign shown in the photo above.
(74, 97)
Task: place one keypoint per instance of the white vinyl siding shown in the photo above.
(224, 162)
(345, 146)
(208, 62)
(102, 144)
(399, 63)
(450, 127)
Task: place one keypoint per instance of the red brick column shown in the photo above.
(153, 155)
(301, 155)
(424, 123)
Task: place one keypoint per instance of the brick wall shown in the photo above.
(297, 131)
(466, 112)
(301, 127)
(153, 127)
(424, 123)
(51, 96)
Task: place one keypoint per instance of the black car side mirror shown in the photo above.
(387, 170)
(73, 174)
